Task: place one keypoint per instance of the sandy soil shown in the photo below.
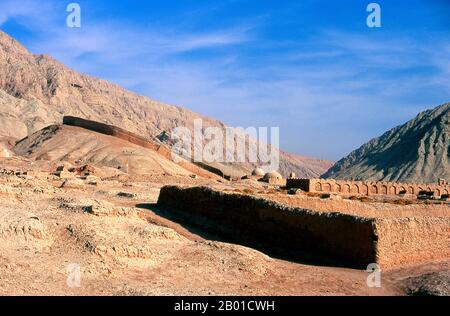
(358, 208)
(48, 224)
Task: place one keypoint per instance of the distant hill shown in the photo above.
(37, 91)
(418, 151)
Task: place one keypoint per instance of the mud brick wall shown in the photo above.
(116, 132)
(358, 241)
(414, 240)
(345, 237)
(367, 187)
(134, 139)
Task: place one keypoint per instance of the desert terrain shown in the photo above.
(108, 223)
(97, 202)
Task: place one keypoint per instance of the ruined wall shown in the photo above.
(278, 182)
(116, 132)
(134, 139)
(359, 241)
(366, 188)
(303, 184)
(358, 208)
(346, 237)
(412, 240)
(211, 169)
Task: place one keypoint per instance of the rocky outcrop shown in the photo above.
(430, 284)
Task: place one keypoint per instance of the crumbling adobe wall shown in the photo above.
(367, 187)
(391, 242)
(116, 132)
(279, 182)
(134, 139)
(413, 240)
(358, 208)
(346, 237)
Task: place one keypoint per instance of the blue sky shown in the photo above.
(311, 67)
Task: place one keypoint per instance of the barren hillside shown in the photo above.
(418, 151)
(36, 91)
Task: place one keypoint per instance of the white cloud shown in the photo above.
(29, 12)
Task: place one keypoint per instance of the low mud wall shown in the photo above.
(368, 188)
(134, 139)
(357, 241)
(116, 132)
(412, 240)
(344, 237)
(358, 208)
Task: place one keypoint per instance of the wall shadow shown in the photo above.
(213, 230)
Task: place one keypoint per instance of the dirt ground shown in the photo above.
(50, 227)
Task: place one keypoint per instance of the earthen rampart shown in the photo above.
(116, 132)
(271, 222)
(358, 241)
(134, 139)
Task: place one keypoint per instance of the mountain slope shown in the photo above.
(68, 143)
(37, 91)
(418, 151)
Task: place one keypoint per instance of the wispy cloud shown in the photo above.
(126, 47)
(9, 10)
(28, 12)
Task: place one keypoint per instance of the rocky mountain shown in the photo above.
(313, 164)
(418, 151)
(37, 91)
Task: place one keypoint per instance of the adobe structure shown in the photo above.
(117, 132)
(368, 188)
(392, 240)
(274, 178)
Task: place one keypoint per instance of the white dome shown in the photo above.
(258, 172)
(273, 175)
